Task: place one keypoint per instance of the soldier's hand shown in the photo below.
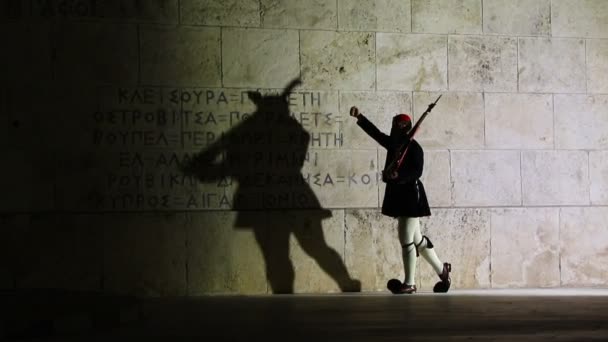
(354, 111)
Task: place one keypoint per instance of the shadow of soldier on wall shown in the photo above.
(264, 154)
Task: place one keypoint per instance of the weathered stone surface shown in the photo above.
(145, 254)
(13, 10)
(411, 62)
(378, 107)
(460, 237)
(96, 53)
(457, 121)
(446, 16)
(372, 250)
(337, 60)
(210, 112)
(597, 66)
(579, 18)
(377, 15)
(59, 116)
(161, 11)
(33, 135)
(137, 118)
(13, 229)
(525, 247)
(519, 121)
(343, 179)
(314, 242)
(249, 57)
(223, 258)
(30, 53)
(486, 178)
(552, 65)
(436, 178)
(598, 177)
(581, 121)
(187, 56)
(109, 160)
(28, 181)
(517, 18)
(555, 177)
(482, 63)
(584, 259)
(220, 12)
(57, 252)
(315, 14)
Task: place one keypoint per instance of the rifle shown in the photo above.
(392, 168)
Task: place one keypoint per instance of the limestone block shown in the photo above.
(551, 65)
(163, 185)
(14, 9)
(378, 107)
(555, 177)
(436, 178)
(597, 66)
(5, 120)
(581, 121)
(315, 14)
(411, 62)
(223, 258)
(519, 121)
(309, 117)
(598, 177)
(58, 252)
(32, 134)
(28, 181)
(584, 261)
(220, 12)
(13, 229)
(145, 254)
(30, 53)
(517, 18)
(132, 132)
(51, 123)
(180, 56)
(95, 181)
(579, 18)
(377, 15)
(138, 118)
(372, 248)
(460, 237)
(525, 247)
(482, 63)
(457, 121)
(161, 11)
(486, 178)
(249, 57)
(446, 16)
(96, 53)
(261, 155)
(311, 243)
(343, 179)
(337, 60)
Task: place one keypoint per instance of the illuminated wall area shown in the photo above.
(162, 147)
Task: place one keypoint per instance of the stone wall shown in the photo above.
(104, 103)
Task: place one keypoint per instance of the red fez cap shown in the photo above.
(402, 117)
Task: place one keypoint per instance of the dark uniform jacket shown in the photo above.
(405, 195)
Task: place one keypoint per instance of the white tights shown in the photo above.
(410, 237)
